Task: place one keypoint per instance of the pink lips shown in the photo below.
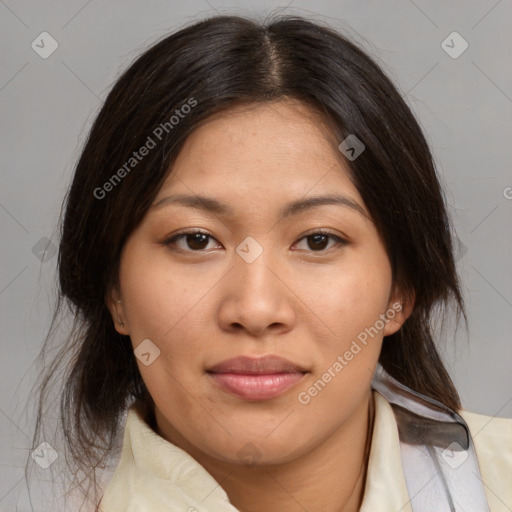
(256, 379)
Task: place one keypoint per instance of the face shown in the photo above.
(309, 283)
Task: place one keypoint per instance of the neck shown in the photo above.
(329, 478)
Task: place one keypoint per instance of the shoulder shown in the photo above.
(491, 435)
(492, 438)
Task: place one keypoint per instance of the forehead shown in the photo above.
(261, 152)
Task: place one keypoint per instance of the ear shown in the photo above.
(400, 307)
(115, 306)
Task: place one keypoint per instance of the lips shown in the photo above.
(253, 366)
(256, 379)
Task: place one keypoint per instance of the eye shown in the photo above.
(197, 241)
(193, 241)
(318, 240)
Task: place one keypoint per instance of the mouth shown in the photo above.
(256, 379)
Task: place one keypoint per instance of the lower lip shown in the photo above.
(256, 387)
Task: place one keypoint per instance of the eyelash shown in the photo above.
(171, 240)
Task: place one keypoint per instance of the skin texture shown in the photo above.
(301, 300)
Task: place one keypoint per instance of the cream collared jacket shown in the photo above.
(154, 475)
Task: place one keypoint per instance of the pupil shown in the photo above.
(317, 239)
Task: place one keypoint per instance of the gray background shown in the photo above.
(47, 106)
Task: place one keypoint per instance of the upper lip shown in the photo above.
(254, 366)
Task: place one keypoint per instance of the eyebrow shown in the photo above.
(210, 204)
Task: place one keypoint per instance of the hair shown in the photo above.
(215, 65)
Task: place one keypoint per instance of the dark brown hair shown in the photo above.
(220, 63)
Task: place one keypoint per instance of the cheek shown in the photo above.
(159, 300)
(346, 358)
(349, 298)
(162, 305)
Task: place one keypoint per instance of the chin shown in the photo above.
(260, 450)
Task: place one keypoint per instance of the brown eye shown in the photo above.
(194, 241)
(197, 241)
(319, 241)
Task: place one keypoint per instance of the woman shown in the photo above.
(254, 245)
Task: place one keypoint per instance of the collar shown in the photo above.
(154, 474)
(385, 487)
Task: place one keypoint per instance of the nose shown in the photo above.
(257, 298)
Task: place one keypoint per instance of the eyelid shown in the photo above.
(187, 231)
(324, 231)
